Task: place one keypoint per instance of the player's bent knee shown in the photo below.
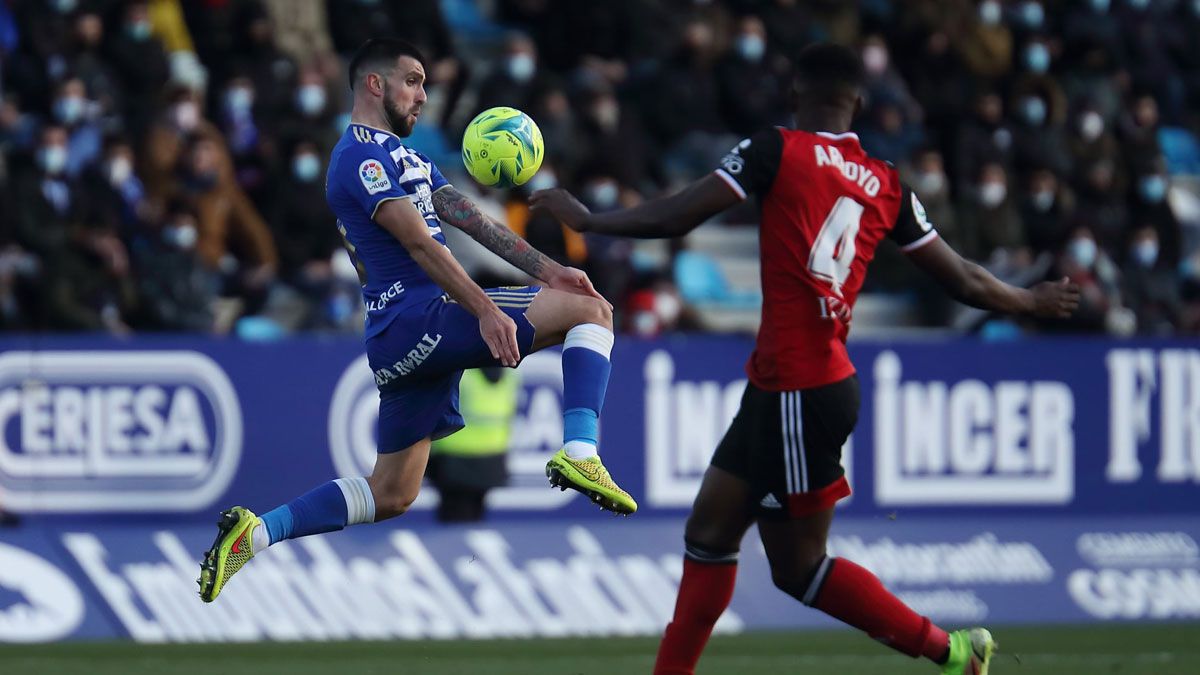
(796, 579)
(592, 310)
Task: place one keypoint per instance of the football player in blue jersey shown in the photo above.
(427, 321)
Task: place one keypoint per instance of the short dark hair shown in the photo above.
(378, 52)
(830, 69)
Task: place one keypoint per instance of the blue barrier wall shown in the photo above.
(1070, 470)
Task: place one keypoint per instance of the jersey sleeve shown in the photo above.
(750, 167)
(367, 172)
(912, 228)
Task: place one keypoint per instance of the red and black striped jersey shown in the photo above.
(825, 206)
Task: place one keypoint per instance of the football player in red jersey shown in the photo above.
(825, 206)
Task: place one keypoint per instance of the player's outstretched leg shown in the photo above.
(583, 325)
(851, 594)
(389, 491)
(719, 519)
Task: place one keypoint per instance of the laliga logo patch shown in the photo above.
(48, 606)
(373, 176)
(121, 431)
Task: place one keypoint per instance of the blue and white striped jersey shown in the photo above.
(367, 168)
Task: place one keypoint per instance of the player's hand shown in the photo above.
(563, 206)
(1055, 299)
(499, 331)
(572, 280)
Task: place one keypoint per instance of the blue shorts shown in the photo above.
(418, 359)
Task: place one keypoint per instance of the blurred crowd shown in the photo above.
(162, 161)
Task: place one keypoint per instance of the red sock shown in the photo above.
(853, 595)
(704, 593)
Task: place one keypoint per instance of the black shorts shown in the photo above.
(788, 447)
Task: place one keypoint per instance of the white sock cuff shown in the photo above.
(591, 336)
(360, 504)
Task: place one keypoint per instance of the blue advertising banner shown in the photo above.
(506, 580)
(175, 428)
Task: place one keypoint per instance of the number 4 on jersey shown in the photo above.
(833, 251)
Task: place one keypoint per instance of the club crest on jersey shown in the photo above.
(373, 176)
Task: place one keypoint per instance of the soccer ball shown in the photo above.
(502, 147)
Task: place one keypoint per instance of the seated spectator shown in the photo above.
(1046, 210)
(1151, 288)
(991, 228)
(1091, 140)
(1100, 304)
(1101, 206)
(76, 112)
(231, 236)
(304, 230)
(116, 197)
(177, 291)
(751, 82)
(312, 114)
(983, 138)
(515, 78)
(139, 61)
(889, 135)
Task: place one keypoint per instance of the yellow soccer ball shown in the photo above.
(502, 147)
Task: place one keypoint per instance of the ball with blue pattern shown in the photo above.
(502, 147)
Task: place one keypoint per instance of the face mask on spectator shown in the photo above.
(69, 109)
(607, 113)
(1153, 188)
(311, 99)
(989, 13)
(180, 235)
(1196, 7)
(543, 180)
(305, 167)
(929, 183)
(1037, 58)
(751, 47)
(239, 99)
(138, 30)
(186, 115)
(603, 195)
(1139, 4)
(1145, 252)
(1033, 109)
(520, 67)
(52, 159)
(1032, 14)
(1100, 6)
(1042, 200)
(1083, 251)
(1091, 125)
(992, 194)
(119, 170)
(64, 6)
(875, 59)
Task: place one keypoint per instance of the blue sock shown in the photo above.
(586, 366)
(325, 508)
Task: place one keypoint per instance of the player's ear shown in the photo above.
(858, 104)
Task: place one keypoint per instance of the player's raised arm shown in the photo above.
(457, 209)
(401, 218)
(973, 285)
(748, 168)
(671, 216)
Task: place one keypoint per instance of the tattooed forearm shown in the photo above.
(454, 208)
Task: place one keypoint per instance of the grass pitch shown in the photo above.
(1166, 649)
